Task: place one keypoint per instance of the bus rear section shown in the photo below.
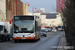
(60, 28)
(24, 28)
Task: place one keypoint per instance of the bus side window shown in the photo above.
(36, 26)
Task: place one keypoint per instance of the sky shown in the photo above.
(49, 5)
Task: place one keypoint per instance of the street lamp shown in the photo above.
(33, 9)
(25, 6)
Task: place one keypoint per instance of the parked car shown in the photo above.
(46, 29)
(44, 32)
(54, 30)
(49, 30)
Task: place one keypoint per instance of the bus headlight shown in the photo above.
(15, 35)
(33, 36)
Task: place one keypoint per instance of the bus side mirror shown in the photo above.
(11, 21)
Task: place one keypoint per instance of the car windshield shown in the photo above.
(42, 30)
(54, 29)
(48, 28)
(1, 27)
(23, 26)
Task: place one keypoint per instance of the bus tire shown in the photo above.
(39, 39)
(8, 39)
(3, 39)
(35, 40)
(45, 35)
(15, 41)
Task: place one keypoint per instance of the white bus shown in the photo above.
(60, 28)
(26, 27)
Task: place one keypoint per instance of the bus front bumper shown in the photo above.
(23, 38)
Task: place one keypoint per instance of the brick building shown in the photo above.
(2, 10)
(11, 8)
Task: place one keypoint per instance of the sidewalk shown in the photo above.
(62, 42)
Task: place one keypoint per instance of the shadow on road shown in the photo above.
(27, 41)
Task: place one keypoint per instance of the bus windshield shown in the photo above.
(23, 26)
(1, 27)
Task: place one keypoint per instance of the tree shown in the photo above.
(69, 18)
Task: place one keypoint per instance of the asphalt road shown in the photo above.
(45, 43)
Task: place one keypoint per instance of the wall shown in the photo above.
(57, 21)
(11, 8)
(47, 22)
(2, 10)
(19, 7)
(25, 9)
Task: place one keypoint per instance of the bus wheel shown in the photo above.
(15, 41)
(45, 35)
(39, 39)
(8, 39)
(34, 40)
(3, 39)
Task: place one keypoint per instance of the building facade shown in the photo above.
(8, 8)
(51, 20)
(2, 10)
(15, 8)
(42, 9)
(25, 8)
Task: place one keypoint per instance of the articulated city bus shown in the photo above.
(26, 27)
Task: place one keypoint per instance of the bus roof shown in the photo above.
(25, 16)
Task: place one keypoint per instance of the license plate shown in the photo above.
(23, 38)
